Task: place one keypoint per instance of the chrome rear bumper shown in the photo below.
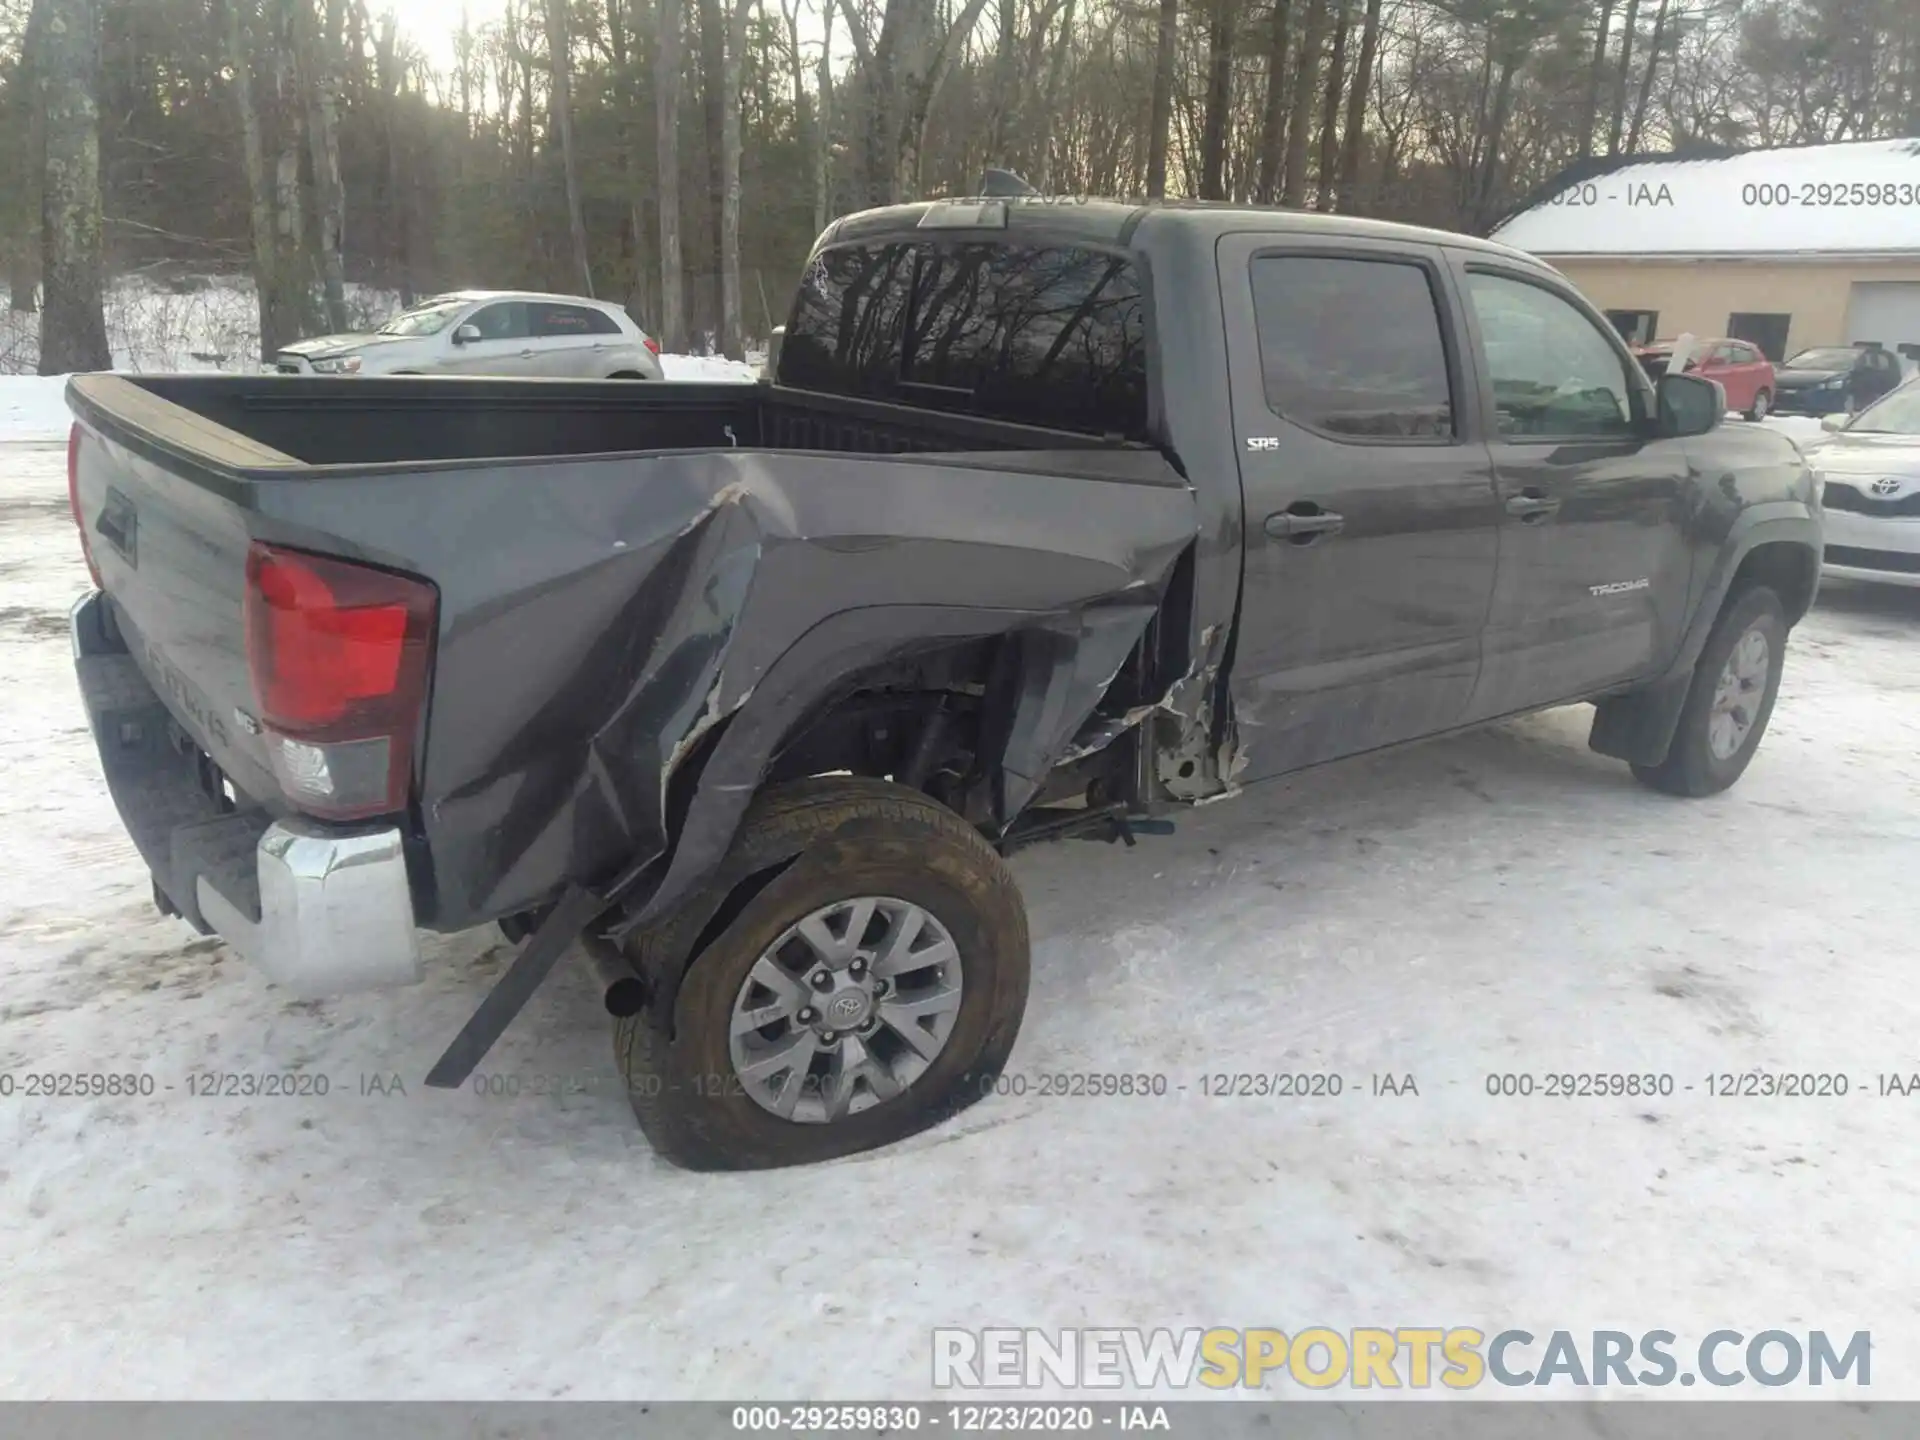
(320, 909)
(335, 911)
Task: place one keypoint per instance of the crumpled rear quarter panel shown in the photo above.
(599, 615)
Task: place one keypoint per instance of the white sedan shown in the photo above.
(1869, 465)
(489, 332)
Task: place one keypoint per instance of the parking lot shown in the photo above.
(1501, 904)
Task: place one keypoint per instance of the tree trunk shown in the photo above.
(1330, 110)
(1165, 52)
(1306, 69)
(1273, 116)
(1620, 77)
(1596, 67)
(266, 283)
(1354, 140)
(394, 231)
(920, 87)
(1006, 97)
(73, 327)
(1646, 80)
(294, 316)
(732, 341)
(1496, 126)
(22, 211)
(625, 68)
(560, 62)
(1049, 98)
(823, 127)
(1213, 134)
(713, 86)
(321, 76)
(666, 100)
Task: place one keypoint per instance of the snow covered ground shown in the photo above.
(1503, 902)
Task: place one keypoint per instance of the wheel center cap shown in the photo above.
(847, 1010)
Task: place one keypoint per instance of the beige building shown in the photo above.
(1785, 248)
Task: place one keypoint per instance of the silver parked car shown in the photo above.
(489, 332)
(1869, 466)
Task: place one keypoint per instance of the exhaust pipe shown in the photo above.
(622, 990)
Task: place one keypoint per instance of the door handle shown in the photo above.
(1531, 506)
(1303, 526)
(526, 354)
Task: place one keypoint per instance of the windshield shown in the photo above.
(1832, 358)
(427, 320)
(1895, 414)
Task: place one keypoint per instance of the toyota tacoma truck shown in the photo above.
(1051, 518)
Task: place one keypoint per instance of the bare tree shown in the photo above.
(1621, 71)
(1596, 69)
(1273, 116)
(1213, 134)
(732, 342)
(319, 73)
(560, 61)
(1355, 137)
(1330, 109)
(1305, 69)
(1165, 53)
(666, 100)
(73, 328)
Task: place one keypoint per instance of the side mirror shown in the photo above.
(466, 334)
(1834, 422)
(1689, 404)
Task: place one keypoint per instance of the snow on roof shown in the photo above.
(1861, 198)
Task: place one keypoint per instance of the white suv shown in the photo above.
(489, 332)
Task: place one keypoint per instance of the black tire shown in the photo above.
(845, 837)
(1691, 769)
(1762, 405)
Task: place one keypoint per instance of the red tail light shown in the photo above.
(338, 653)
(73, 501)
(651, 344)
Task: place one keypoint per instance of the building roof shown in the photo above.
(1858, 199)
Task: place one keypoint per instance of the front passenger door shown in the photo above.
(505, 346)
(1594, 564)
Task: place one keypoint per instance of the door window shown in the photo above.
(548, 321)
(504, 321)
(1352, 347)
(1554, 375)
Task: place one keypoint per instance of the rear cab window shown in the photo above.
(1048, 335)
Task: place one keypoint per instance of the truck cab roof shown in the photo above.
(1106, 222)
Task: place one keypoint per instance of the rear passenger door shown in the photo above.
(1594, 564)
(569, 340)
(1370, 511)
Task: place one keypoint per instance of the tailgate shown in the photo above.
(151, 490)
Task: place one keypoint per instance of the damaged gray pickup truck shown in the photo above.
(1054, 517)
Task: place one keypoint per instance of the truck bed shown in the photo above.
(323, 421)
(616, 565)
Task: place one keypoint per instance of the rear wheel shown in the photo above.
(1729, 701)
(867, 983)
(1762, 405)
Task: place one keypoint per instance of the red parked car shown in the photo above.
(1743, 372)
